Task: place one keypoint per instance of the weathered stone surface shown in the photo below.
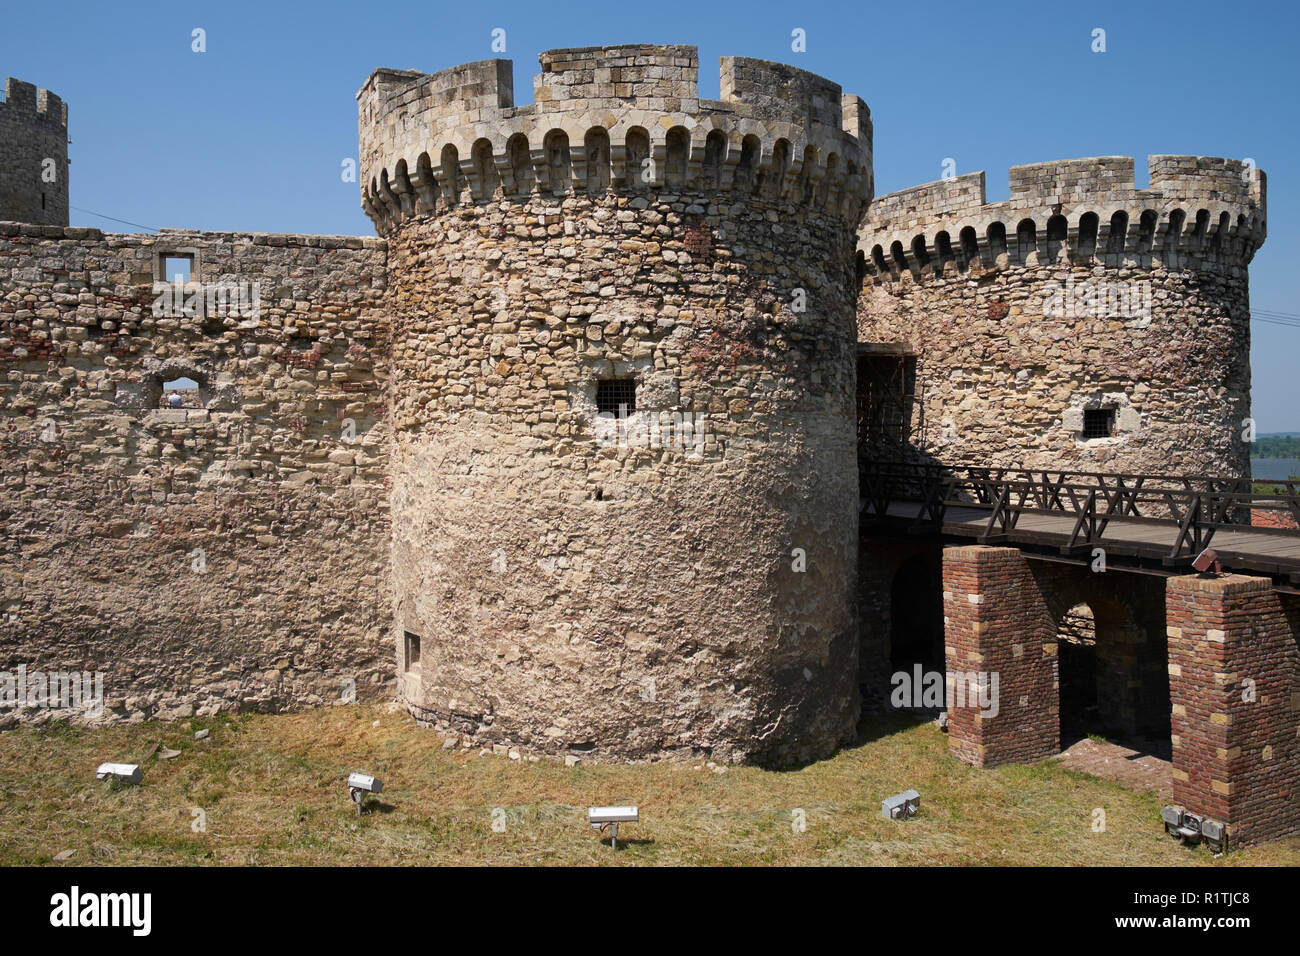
(626, 599)
(204, 559)
(1079, 292)
(34, 158)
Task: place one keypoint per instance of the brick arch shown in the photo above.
(1131, 676)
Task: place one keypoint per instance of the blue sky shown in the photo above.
(250, 134)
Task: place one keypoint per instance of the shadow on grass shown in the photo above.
(623, 843)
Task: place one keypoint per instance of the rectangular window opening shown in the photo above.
(616, 396)
(1098, 422)
(412, 657)
(886, 386)
(178, 268)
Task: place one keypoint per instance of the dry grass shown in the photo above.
(273, 791)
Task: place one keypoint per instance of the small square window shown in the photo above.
(177, 265)
(412, 651)
(177, 268)
(1098, 422)
(616, 396)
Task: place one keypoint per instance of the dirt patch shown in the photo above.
(1137, 769)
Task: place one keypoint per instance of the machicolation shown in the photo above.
(1080, 294)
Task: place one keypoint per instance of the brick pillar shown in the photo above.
(1236, 753)
(996, 622)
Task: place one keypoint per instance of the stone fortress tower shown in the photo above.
(624, 447)
(33, 156)
(1083, 324)
(577, 441)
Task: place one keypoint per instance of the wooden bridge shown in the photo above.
(1165, 520)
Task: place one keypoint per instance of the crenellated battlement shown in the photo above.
(1199, 212)
(24, 102)
(625, 118)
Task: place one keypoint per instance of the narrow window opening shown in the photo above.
(970, 249)
(1098, 422)
(412, 655)
(616, 396)
(997, 236)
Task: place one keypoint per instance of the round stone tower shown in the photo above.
(624, 500)
(33, 156)
(1083, 324)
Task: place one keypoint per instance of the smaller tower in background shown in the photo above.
(33, 156)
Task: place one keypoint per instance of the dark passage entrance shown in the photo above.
(916, 615)
(1076, 653)
(1112, 675)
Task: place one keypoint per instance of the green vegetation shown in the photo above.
(271, 792)
(1276, 447)
(1269, 487)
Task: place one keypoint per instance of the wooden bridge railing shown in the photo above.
(1199, 505)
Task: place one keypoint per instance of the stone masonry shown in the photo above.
(33, 155)
(571, 590)
(228, 556)
(567, 458)
(1078, 293)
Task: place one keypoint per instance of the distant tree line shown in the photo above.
(1288, 447)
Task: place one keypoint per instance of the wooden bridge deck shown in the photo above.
(1250, 549)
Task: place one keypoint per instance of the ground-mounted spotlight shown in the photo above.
(601, 817)
(119, 772)
(902, 806)
(1191, 829)
(359, 784)
(1215, 835)
(1183, 826)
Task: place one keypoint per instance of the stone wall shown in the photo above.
(572, 591)
(1079, 293)
(228, 556)
(623, 117)
(33, 155)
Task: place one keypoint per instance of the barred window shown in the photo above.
(616, 396)
(1098, 422)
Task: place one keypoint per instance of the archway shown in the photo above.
(1076, 655)
(1112, 666)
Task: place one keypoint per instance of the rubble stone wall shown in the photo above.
(1078, 293)
(227, 556)
(33, 155)
(663, 594)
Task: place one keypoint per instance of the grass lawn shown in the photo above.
(272, 790)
